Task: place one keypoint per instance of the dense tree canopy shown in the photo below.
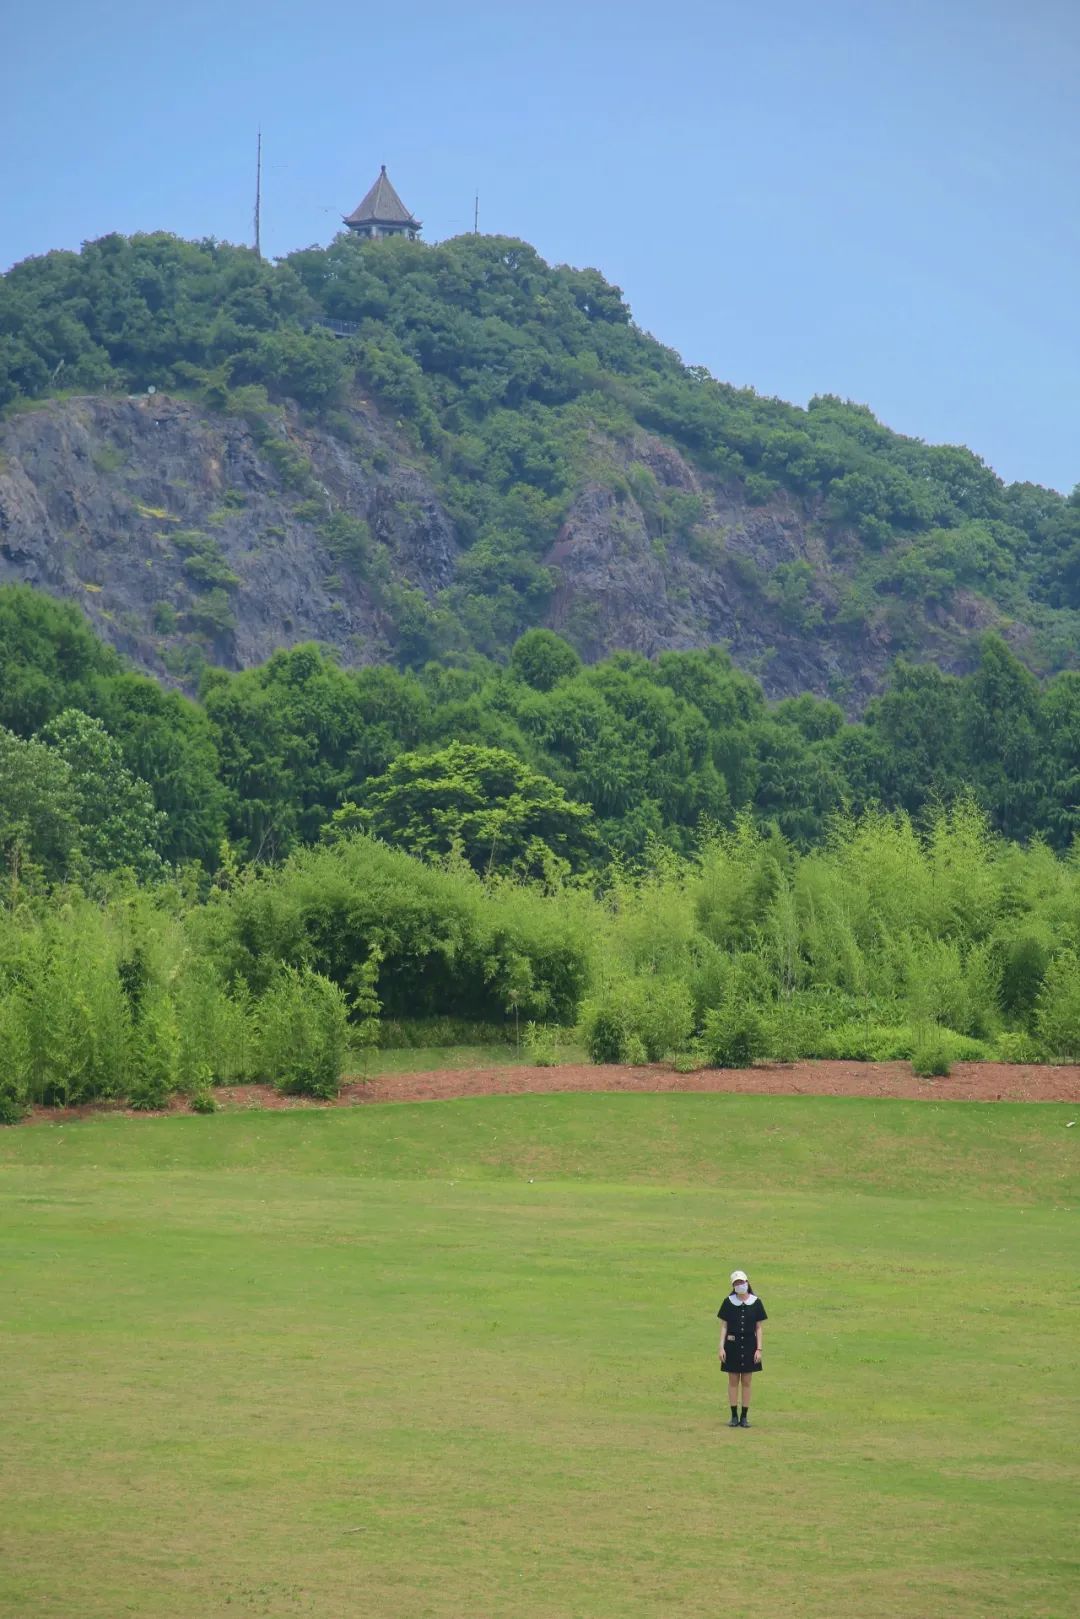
(118, 823)
(500, 814)
(505, 369)
(626, 751)
(756, 877)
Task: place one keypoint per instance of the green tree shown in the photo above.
(541, 659)
(167, 740)
(50, 659)
(1004, 738)
(39, 821)
(119, 825)
(499, 812)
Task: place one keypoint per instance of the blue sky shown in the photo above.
(878, 201)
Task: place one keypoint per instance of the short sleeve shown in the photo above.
(759, 1312)
(724, 1312)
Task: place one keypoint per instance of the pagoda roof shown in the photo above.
(382, 206)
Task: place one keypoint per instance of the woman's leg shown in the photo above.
(747, 1379)
(733, 1393)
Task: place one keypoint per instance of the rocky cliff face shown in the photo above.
(769, 581)
(625, 583)
(189, 535)
(173, 526)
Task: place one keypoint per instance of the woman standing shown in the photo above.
(742, 1313)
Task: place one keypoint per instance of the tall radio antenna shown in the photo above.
(258, 195)
(476, 215)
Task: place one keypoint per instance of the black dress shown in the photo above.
(740, 1333)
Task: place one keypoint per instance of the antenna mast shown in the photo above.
(476, 215)
(258, 195)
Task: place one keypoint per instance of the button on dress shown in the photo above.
(740, 1319)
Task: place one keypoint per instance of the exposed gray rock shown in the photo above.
(128, 505)
(626, 580)
(103, 500)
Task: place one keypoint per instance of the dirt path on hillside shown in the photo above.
(968, 1082)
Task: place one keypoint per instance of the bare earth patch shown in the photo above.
(968, 1082)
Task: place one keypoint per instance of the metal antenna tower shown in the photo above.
(258, 196)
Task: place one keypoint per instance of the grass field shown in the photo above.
(458, 1360)
(423, 1059)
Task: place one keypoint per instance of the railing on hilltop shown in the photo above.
(340, 328)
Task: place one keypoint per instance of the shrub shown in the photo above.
(12, 1107)
(637, 1020)
(962, 1048)
(604, 1030)
(1018, 1046)
(667, 1017)
(734, 1035)
(291, 465)
(1057, 1017)
(13, 1097)
(937, 992)
(303, 1025)
(848, 1042)
(216, 1038)
(859, 1041)
(420, 1033)
(1025, 965)
(689, 1062)
(541, 1042)
(365, 1006)
(451, 944)
(931, 1056)
(155, 1054)
(787, 1036)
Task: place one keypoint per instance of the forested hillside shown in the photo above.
(799, 775)
(538, 767)
(494, 446)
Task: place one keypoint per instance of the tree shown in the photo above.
(541, 659)
(39, 822)
(917, 724)
(118, 824)
(50, 659)
(1004, 725)
(499, 812)
(167, 741)
(308, 366)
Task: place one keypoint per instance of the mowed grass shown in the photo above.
(459, 1359)
(425, 1059)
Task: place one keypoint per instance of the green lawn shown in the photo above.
(424, 1059)
(458, 1359)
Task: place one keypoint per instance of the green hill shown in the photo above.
(493, 445)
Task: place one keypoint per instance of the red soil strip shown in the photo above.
(968, 1082)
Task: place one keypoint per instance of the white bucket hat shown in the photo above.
(739, 1276)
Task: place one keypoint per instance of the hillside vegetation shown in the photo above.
(588, 480)
(508, 827)
(881, 944)
(541, 766)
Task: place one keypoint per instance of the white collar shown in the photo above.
(751, 1298)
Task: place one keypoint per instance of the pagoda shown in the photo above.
(382, 213)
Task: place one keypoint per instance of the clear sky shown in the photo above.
(878, 200)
